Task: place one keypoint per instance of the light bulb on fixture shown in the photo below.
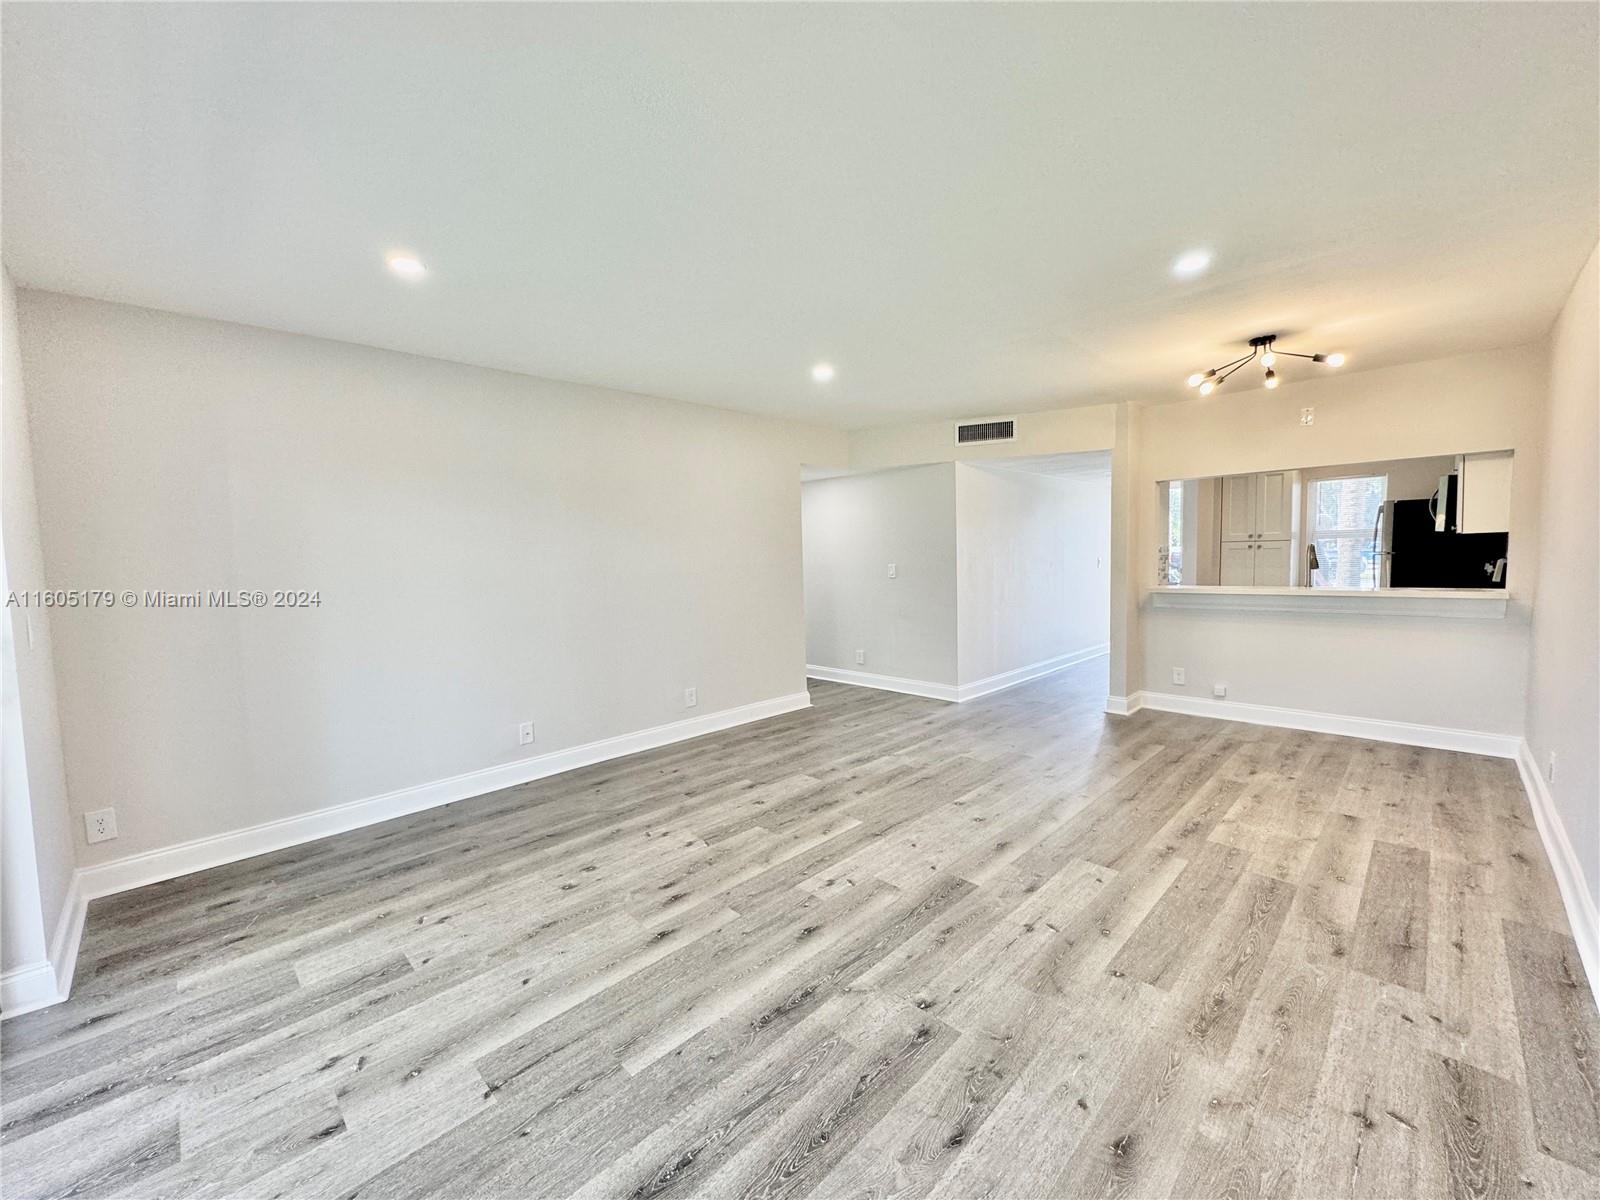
(1263, 348)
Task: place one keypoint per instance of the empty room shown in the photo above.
(800, 600)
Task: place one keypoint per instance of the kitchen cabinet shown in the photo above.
(1483, 493)
(1273, 560)
(1259, 506)
(1257, 563)
(1259, 514)
(1238, 564)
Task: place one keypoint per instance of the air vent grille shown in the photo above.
(985, 431)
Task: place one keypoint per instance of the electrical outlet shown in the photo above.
(525, 734)
(1219, 690)
(1178, 675)
(861, 657)
(1550, 771)
(892, 571)
(689, 698)
(100, 825)
(1308, 416)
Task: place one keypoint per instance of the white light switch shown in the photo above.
(891, 571)
(1308, 416)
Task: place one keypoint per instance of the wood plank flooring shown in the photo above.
(883, 947)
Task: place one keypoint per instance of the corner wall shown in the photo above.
(854, 527)
(1564, 687)
(1032, 570)
(38, 830)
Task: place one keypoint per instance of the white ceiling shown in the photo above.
(968, 209)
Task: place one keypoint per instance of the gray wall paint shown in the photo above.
(44, 832)
(1564, 694)
(1032, 568)
(855, 526)
(489, 549)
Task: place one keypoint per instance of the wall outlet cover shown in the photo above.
(892, 571)
(100, 825)
(525, 734)
(690, 698)
(861, 657)
(1179, 675)
(1219, 690)
(1308, 416)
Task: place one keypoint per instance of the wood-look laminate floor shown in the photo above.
(884, 947)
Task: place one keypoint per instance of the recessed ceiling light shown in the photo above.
(822, 372)
(1187, 266)
(407, 267)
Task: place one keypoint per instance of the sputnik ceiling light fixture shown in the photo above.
(1265, 348)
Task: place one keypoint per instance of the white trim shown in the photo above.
(1558, 849)
(956, 694)
(1009, 679)
(1438, 737)
(49, 981)
(1123, 706)
(883, 683)
(26, 988)
(68, 935)
(1477, 603)
(137, 870)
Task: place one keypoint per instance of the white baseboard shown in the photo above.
(69, 935)
(26, 988)
(49, 981)
(153, 866)
(1438, 737)
(1123, 706)
(954, 692)
(38, 985)
(1009, 679)
(884, 683)
(1575, 894)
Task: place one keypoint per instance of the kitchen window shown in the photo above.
(1174, 533)
(1344, 516)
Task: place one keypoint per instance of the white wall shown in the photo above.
(855, 526)
(1461, 673)
(1564, 690)
(1057, 431)
(1032, 569)
(488, 548)
(38, 832)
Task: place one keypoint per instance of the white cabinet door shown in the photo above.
(1238, 507)
(1484, 500)
(1238, 564)
(1275, 504)
(1272, 563)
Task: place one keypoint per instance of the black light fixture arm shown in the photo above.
(1265, 347)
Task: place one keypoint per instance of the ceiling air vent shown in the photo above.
(970, 432)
